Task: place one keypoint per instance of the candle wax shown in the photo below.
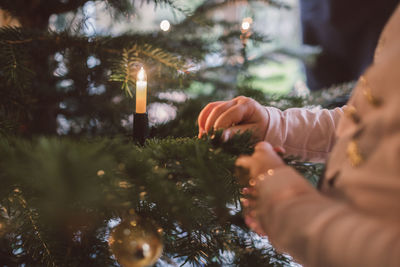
(141, 95)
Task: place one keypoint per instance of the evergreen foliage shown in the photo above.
(63, 188)
(59, 196)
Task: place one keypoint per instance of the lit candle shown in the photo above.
(141, 91)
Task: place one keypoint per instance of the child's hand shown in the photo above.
(263, 161)
(239, 114)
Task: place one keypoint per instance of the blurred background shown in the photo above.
(281, 74)
(272, 63)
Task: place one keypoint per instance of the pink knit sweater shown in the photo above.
(355, 219)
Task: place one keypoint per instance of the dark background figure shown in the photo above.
(347, 31)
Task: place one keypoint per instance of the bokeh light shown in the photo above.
(246, 23)
(165, 25)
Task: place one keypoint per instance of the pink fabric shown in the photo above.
(355, 220)
(304, 133)
(319, 230)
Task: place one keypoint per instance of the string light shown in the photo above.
(165, 25)
(246, 23)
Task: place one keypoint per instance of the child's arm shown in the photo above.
(301, 132)
(320, 231)
(315, 229)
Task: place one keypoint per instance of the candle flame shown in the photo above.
(141, 76)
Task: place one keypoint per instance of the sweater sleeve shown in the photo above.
(320, 231)
(304, 133)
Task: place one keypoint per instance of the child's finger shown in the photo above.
(245, 190)
(251, 223)
(234, 115)
(263, 146)
(252, 192)
(204, 115)
(254, 224)
(243, 161)
(215, 114)
(280, 150)
(259, 230)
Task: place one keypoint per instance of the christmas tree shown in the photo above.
(77, 189)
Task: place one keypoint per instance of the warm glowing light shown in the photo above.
(165, 25)
(141, 91)
(246, 23)
(141, 76)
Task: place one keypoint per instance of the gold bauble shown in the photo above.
(135, 242)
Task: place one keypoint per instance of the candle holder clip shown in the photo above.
(140, 127)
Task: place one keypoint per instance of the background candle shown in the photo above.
(141, 91)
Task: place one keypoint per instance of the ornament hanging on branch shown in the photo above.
(136, 242)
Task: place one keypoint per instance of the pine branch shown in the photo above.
(14, 66)
(122, 71)
(131, 59)
(46, 256)
(184, 184)
(35, 11)
(68, 6)
(214, 4)
(6, 126)
(161, 56)
(18, 42)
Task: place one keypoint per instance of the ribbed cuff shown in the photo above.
(276, 127)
